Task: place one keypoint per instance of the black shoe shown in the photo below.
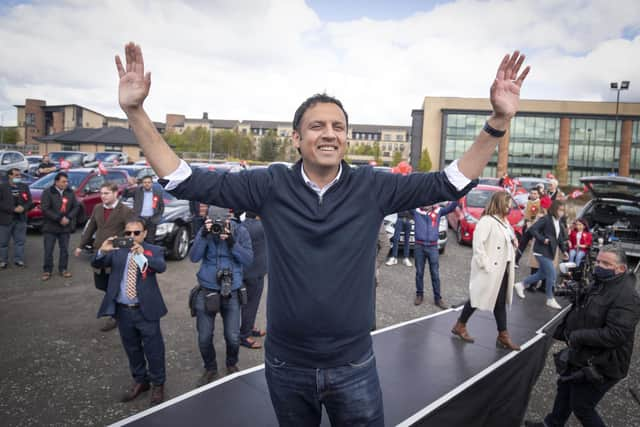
(19, 264)
(207, 377)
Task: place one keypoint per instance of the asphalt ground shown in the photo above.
(58, 369)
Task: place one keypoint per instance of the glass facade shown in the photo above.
(535, 139)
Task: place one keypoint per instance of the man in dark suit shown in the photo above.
(134, 299)
(107, 219)
(149, 205)
(60, 208)
(15, 202)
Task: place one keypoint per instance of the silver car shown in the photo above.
(613, 214)
(13, 159)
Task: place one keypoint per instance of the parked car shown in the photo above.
(470, 207)
(85, 182)
(13, 159)
(137, 172)
(142, 162)
(389, 226)
(77, 159)
(613, 213)
(34, 162)
(112, 158)
(175, 232)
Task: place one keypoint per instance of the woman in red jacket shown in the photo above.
(579, 242)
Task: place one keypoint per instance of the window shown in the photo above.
(94, 184)
(399, 137)
(387, 137)
(116, 177)
(113, 148)
(70, 147)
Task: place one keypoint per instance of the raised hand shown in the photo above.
(134, 83)
(505, 91)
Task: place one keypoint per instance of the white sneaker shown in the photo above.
(391, 261)
(551, 302)
(407, 262)
(519, 287)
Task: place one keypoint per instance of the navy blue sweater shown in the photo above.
(320, 251)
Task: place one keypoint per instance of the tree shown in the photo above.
(425, 162)
(397, 158)
(9, 135)
(269, 147)
(376, 152)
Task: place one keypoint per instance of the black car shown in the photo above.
(613, 214)
(176, 230)
(137, 171)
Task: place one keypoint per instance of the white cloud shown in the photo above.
(260, 59)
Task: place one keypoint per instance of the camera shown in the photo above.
(217, 226)
(575, 281)
(122, 242)
(224, 278)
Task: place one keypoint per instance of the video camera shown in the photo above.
(575, 281)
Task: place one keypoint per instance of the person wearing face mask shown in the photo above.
(427, 228)
(107, 219)
(133, 297)
(599, 331)
(550, 235)
(15, 202)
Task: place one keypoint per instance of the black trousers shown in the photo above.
(500, 309)
(581, 398)
(151, 230)
(254, 286)
(49, 245)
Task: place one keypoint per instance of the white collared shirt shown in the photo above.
(320, 191)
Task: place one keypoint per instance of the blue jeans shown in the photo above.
(351, 394)
(18, 231)
(403, 225)
(143, 343)
(576, 256)
(423, 253)
(205, 323)
(546, 272)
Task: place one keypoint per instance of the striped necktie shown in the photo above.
(132, 276)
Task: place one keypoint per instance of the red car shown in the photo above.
(464, 219)
(86, 184)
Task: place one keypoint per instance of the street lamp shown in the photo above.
(589, 150)
(624, 85)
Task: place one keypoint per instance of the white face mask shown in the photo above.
(142, 261)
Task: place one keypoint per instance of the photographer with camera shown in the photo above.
(224, 247)
(599, 331)
(134, 299)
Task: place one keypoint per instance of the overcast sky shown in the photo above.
(259, 59)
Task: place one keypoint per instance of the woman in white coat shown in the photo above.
(492, 269)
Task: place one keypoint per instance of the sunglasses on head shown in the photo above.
(132, 233)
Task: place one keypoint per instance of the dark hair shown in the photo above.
(553, 210)
(145, 177)
(621, 256)
(12, 171)
(249, 214)
(310, 102)
(112, 186)
(137, 220)
(60, 175)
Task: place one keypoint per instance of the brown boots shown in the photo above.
(504, 341)
(460, 330)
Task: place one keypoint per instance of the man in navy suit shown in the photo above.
(134, 299)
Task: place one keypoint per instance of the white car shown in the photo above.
(13, 159)
(389, 226)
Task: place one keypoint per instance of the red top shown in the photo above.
(107, 212)
(585, 239)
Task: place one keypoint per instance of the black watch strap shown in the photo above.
(492, 131)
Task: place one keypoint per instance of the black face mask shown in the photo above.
(604, 273)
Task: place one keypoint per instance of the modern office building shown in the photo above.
(567, 138)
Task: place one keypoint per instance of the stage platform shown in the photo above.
(428, 376)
